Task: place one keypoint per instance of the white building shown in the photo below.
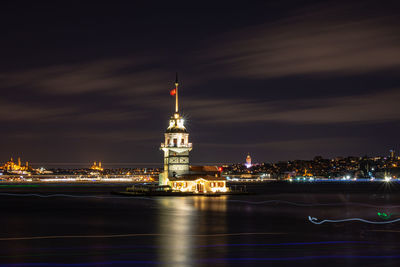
(176, 148)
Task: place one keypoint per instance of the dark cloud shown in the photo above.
(21, 112)
(283, 82)
(100, 76)
(324, 39)
(367, 108)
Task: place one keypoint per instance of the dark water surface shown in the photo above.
(198, 231)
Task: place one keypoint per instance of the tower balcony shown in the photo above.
(163, 145)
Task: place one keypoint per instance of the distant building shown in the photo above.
(177, 172)
(96, 167)
(248, 161)
(42, 170)
(12, 167)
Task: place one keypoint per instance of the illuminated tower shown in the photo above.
(176, 145)
(248, 161)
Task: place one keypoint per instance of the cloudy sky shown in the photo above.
(284, 80)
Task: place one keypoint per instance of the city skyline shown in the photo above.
(93, 83)
(141, 165)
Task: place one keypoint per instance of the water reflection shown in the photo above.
(185, 223)
(210, 203)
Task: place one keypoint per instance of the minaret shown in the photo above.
(176, 145)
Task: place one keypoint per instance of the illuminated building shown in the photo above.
(97, 167)
(42, 170)
(176, 145)
(307, 174)
(177, 172)
(200, 179)
(12, 167)
(199, 184)
(248, 161)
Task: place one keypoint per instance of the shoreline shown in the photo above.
(254, 188)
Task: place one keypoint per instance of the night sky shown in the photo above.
(284, 80)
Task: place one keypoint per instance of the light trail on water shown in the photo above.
(71, 196)
(272, 201)
(302, 204)
(126, 250)
(211, 260)
(315, 221)
(129, 235)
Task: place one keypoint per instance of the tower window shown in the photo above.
(182, 141)
(175, 142)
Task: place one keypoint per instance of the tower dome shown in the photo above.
(176, 124)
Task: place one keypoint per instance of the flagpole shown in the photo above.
(176, 93)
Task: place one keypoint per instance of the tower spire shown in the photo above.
(176, 94)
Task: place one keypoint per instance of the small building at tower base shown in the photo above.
(199, 184)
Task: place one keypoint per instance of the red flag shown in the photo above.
(172, 92)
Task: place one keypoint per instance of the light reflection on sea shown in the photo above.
(187, 231)
(180, 224)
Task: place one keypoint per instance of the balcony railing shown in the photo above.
(176, 145)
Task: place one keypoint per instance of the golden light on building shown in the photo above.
(307, 174)
(15, 167)
(97, 167)
(248, 161)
